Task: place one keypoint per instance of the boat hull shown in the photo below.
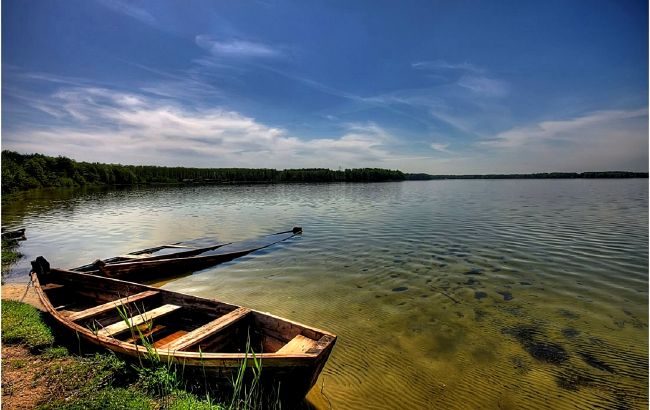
(216, 358)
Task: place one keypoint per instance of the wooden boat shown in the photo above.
(180, 257)
(18, 234)
(199, 335)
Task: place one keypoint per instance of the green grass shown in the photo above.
(106, 399)
(104, 381)
(186, 401)
(23, 324)
(55, 352)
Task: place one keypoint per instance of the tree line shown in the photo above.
(28, 171)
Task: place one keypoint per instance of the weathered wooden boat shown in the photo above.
(201, 336)
(18, 234)
(180, 257)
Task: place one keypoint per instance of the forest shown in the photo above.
(28, 171)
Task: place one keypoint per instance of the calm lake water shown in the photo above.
(444, 294)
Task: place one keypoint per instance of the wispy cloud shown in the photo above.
(236, 47)
(466, 76)
(130, 10)
(484, 85)
(445, 65)
(436, 146)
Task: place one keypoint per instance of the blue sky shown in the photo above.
(422, 86)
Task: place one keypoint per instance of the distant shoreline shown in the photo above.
(541, 175)
(23, 172)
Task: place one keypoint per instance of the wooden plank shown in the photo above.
(298, 345)
(169, 338)
(84, 314)
(209, 329)
(137, 320)
(145, 332)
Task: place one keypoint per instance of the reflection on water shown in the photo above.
(444, 294)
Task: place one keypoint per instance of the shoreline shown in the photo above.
(15, 291)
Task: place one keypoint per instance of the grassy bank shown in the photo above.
(40, 372)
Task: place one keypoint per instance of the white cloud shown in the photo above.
(598, 141)
(579, 128)
(235, 47)
(110, 126)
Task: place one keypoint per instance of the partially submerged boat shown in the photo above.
(200, 335)
(13, 234)
(180, 257)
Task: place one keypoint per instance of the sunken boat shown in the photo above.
(180, 257)
(202, 336)
(13, 234)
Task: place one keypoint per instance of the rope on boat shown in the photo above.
(322, 393)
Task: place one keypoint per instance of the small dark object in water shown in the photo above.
(506, 295)
(472, 281)
(525, 283)
(480, 295)
(568, 314)
(442, 265)
(547, 352)
(593, 361)
(400, 289)
(394, 275)
(475, 271)
(570, 332)
(496, 270)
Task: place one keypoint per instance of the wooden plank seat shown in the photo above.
(84, 314)
(137, 320)
(298, 345)
(203, 332)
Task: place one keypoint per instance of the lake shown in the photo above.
(444, 294)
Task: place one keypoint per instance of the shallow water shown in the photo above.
(444, 294)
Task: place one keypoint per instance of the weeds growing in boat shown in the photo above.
(162, 380)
